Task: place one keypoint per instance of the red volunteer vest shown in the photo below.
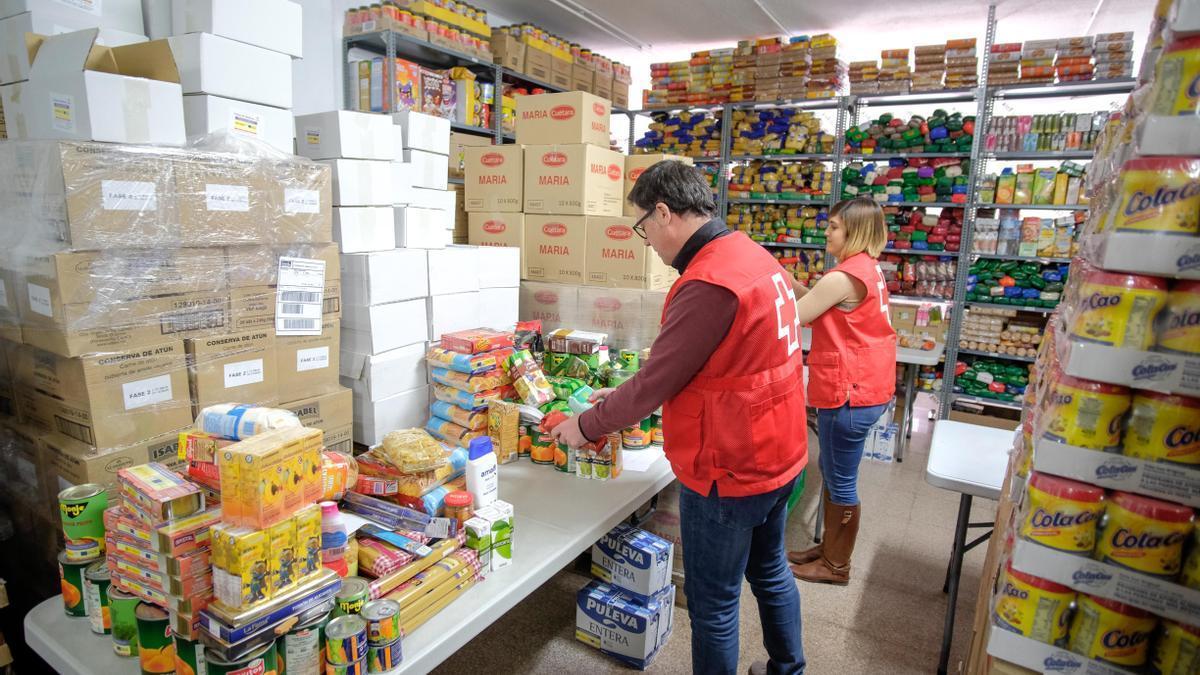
(740, 422)
(853, 354)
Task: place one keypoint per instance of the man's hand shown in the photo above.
(567, 433)
(600, 394)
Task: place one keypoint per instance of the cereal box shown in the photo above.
(156, 495)
(634, 560)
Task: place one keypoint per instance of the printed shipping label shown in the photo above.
(312, 359)
(128, 195)
(245, 123)
(62, 107)
(39, 300)
(243, 372)
(300, 296)
(227, 197)
(146, 392)
(298, 200)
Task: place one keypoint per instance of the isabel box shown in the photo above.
(575, 179)
(495, 178)
(331, 413)
(75, 463)
(572, 117)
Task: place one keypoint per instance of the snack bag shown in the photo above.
(529, 380)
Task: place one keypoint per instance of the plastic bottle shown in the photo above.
(334, 538)
(482, 477)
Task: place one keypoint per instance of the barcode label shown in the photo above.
(291, 308)
(299, 296)
(297, 325)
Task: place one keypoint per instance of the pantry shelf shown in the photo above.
(415, 49)
(855, 157)
(918, 298)
(915, 251)
(1022, 308)
(682, 107)
(781, 202)
(783, 158)
(472, 129)
(947, 96)
(779, 244)
(934, 205)
(706, 160)
(990, 355)
(807, 104)
(1064, 90)
(455, 180)
(529, 79)
(1023, 258)
(1046, 155)
(1035, 207)
(994, 402)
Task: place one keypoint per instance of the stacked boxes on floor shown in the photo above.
(627, 611)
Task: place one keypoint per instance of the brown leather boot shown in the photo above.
(811, 554)
(833, 567)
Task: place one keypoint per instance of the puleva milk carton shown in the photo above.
(633, 560)
(621, 626)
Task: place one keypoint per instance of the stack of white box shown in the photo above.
(424, 207)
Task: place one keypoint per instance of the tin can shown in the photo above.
(261, 660)
(95, 594)
(1164, 428)
(345, 640)
(121, 607)
(1144, 535)
(1033, 607)
(1118, 310)
(355, 668)
(156, 651)
(543, 448)
(1175, 81)
(1086, 414)
(1191, 566)
(382, 658)
(354, 593)
(1062, 514)
(1158, 195)
(70, 576)
(656, 429)
(190, 656)
(1181, 319)
(82, 510)
(383, 621)
(637, 437)
(302, 649)
(1178, 649)
(1109, 631)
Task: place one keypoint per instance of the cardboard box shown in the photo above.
(307, 365)
(460, 215)
(383, 277)
(361, 182)
(424, 198)
(270, 24)
(204, 114)
(13, 106)
(384, 375)
(635, 165)
(45, 20)
(10, 312)
(210, 64)
(454, 269)
(582, 76)
(83, 91)
(602, 85)
(424, 132)
(560, 72)
(300, 195)
(555, 248)
(112, 276)
(573, 117)
(344, 134)
(499, 307)
(427, 169)
(416, 227)
(105, 400)
(577, 179)
(237, 367)
(375, 419)
(380, 328)
(122, 15)
(360, 229)
(498, 229)
(157, 18)
(495, 178)
(254, 306)
(499, 267)
(452, 313)
(220, 198)
(538, 64)
(331, 413)
(555, 305)
(73, 463)
(508, 51)
(618, 258)
(459, 142)
(616, 311)
(259, 265)
(620, 94)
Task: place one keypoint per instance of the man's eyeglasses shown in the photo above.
(638, 228)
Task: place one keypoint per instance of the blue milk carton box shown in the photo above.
(634, 560)
(620, 625)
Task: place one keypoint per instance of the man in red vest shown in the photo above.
(726, 370)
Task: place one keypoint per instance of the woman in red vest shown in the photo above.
(851, 375)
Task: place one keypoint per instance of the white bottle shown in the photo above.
(482, 477)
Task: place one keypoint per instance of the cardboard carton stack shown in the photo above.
(827, 72)
(894, 75)
(1114, 55)
(745, 73)
(929, 67)
(864, 77)
(1004, 63)
(962, 64)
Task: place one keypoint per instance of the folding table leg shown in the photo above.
(955, 571)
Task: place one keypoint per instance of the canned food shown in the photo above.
(356, 668)
(1109, 631)
(1033, 607)
(383, 621)
(656, 429)
(345, 640)
(542, 448)
(95, 594)
(1181, 325)
(1164, 428)
(82, 510)
(1178, 649)
(156, 651)
(1178, 68)
(1191, 566)
(1159, 195)
(122, 607)
(1062, 514)
(351, 597)
(382, 658)
(1143, 534)
(1085, 413)
(70, 575)
(1119, 310)
(189, 656)
(637, 437)
(302, 649)
(261, 660)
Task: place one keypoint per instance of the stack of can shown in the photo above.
(383, 635)
(81, 567)
(346, 645)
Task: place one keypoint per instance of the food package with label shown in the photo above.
(528, 379)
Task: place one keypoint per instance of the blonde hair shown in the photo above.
(865, 230)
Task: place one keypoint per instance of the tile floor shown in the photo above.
(888, 620)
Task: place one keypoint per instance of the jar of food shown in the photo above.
(458, 506)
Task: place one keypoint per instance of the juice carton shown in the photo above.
(1043, 186)
(500, 513)
(270, 476)
(479, 538)
(231, 484)
(620, 625)
(281, 539)
(308, 540)
(247, 567)
(633, 560)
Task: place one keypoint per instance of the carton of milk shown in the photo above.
(634, 560)
(616, 623)
(500, 515)
(479, 538)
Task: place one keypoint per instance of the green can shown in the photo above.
(123, 606)
(95, 595)
(263, 660)
(156, 650)
(190, 657)
(82, 510)
(350, 598)
(302, 650)
(638, 437)
(656, 429)
(629, 357)
(70, 575)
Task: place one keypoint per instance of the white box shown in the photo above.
(425, 198)
(422, 228)
(397, 139)
(383, 277)
(12, 99)
(64, 99)
(453, 270)
(210, 64)
(345, 134)
(362, 229)
(499, 266)
(122, 15)
(374, 419)
(271, 24)
(429, 170)
(384, 375)
(454, 312)
(499, 307)
(633, 560)
(204, 114)
(424, 132)
(361, 182)
(156, 17)
(382, 328)
(401, 180)
(14, 54)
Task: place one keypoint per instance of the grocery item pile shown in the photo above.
(1106, 56)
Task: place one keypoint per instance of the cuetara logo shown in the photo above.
(554, 159)
(614, 171)
(494, 226)
(562, 112)
(618, 232)
(600, 109)
(554, 229)
(492, 159)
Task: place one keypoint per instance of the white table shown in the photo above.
(969, 459)
(557, 517)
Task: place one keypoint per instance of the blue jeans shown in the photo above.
(842, 433)
(724, 539)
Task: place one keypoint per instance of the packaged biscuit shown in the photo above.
(528, 379)
(476, 341)
(470, 364)
(480, 382)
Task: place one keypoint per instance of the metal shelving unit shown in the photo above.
(780, 202)
(1036, 207)
(782, 158)
(917, 251)
(918, 298)
(1003, 357)
(868, 156)
(1019, 308)
(781, 244)
(1022, 258)
(1039, 155)
(994, 402)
